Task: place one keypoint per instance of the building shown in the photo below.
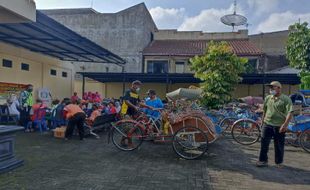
(17, 11)
(126, 32)
(160, 57)
(174, 48)
(166, 68)
(273, 45)
(42, 52)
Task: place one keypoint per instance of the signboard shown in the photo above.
(44, 94)
(6, 89)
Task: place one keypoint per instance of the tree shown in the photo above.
(305, 80)
(298, 51)
(219, 69)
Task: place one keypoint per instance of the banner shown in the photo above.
(6, 89)
(44, 94)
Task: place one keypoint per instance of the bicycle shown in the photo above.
(225, 117)
(248, 132)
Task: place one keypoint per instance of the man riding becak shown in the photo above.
(131, 100)
(131, 105)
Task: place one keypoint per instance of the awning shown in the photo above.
(292, 79)
(49, 37)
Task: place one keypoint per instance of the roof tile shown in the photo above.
(197, 47)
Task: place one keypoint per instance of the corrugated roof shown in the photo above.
(51, 38)
(241, 47)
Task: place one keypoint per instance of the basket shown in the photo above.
(60, 132)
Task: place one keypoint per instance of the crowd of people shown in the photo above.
(75, 111)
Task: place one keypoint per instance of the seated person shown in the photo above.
(83, 105)
(118, 106)
(74, 98)
(36, 111)
(151, 104)
(13, 106)
(96, 97)
(95, 113)
(58, 113)
(89, 108)
(104, 108)
(85, 98)
(55, 104)
(111, 108)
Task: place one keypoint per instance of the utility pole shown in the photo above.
(264, 59)
(92, 3)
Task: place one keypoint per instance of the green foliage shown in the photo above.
(219, 69)
(305, 80)
(298, 51)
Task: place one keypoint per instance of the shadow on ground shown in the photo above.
(230, 156)
(93, 164)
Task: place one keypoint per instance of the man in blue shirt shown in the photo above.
(152, 103)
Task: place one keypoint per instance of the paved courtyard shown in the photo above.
(93, 164)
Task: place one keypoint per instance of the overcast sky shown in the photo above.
(263, 15)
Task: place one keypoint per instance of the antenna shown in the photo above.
(234, 19)
(92, 3)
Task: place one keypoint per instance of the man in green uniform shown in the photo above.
(25, 102)
(276, 117)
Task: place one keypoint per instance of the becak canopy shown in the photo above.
(185, 93)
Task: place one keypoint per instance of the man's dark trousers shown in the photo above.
(76, 120)
(25, 116)
(269, 132)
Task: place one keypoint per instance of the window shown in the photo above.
(251, 66)
(157, 67)
(179, 66)
(64, 74)
(107, 69)
(53, 72)
(25, 67)
(7, 63)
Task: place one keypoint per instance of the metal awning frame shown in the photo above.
(49, 37)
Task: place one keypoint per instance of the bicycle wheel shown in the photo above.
(226, 125)
(126, 136)
(245, 132)
(190, 143)
(304, 140)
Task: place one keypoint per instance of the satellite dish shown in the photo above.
(234, 19)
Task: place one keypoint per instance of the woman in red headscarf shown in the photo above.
(85, 96)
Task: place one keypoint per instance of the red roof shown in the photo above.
(196, 47)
